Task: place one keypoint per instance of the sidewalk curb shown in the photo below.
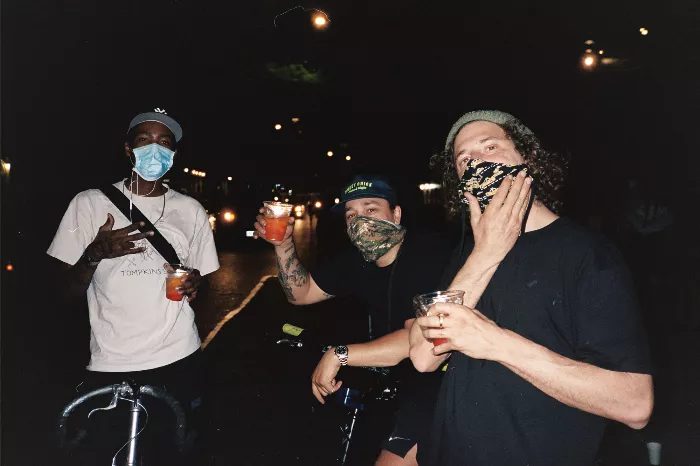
(232, 313)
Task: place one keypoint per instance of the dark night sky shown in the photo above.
(394, 76)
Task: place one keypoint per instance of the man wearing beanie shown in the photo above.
(549, 345)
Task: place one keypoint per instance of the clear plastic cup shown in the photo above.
(276, 219)
(654, 450)
(174, 279)
(422, 303)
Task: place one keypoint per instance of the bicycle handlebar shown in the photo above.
(119, 390)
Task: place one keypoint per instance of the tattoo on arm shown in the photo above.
(291, 274)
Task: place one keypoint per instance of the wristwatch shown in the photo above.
(342, 353)
(89, 260)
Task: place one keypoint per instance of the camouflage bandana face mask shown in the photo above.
(374, 237)
(482, 179)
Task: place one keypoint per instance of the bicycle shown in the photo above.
(133, 395)
(354, 399)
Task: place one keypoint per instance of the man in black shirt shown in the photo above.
(387, 267)
(556, 346)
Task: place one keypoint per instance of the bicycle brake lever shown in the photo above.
(292, 343)
(119, 390)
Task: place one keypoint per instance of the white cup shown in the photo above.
(654, 449)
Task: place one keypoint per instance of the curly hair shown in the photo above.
(547, 168)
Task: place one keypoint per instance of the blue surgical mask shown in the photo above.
(152, 161)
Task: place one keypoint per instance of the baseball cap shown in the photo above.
(364, 186)
(494, 116)
(160, 116)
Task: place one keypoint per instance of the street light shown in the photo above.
(278, 127)
(230, 178)
(329, 153)
(277, 198)
(320, 21)
(347, 157)
(318, 204)
(186, 170)
(295, 120)
(601, 52)
(643, 31)
(337, 201)
(589, 61)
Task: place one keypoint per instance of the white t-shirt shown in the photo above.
(133, 325)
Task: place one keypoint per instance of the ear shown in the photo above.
(127, 149)
(397, 215)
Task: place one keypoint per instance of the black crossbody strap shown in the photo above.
(158, 242)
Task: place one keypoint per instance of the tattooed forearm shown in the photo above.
(291, 273)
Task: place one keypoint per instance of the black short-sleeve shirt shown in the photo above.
(417, 269)
(568, 290)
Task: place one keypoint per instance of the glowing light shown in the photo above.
(643, 31)
(229, 217)
(6, 167)
(278, 127)
(347, 157)
(212, 222)
(298, 208)
(203, 174)
(589, 61)
(9, 267)
(299, 213)
(337, 201)
(186, 170)
(329, 153)
(286, 199)
(589, 42)
(429, 186)
(589, 50)
(277, 198)
(318, 204)
(320, 21)
(601, 52)
(295, 120)
(230, 178)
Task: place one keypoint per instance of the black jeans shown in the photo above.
(108, 431)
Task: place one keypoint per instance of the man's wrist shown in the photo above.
(89, 259)
(284, 245)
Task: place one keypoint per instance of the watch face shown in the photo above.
(341, 350)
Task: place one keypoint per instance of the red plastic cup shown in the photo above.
(277, 216)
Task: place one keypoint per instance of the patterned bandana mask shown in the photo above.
(482, 179)
(374, 237)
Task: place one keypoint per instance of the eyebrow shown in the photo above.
(490, 138)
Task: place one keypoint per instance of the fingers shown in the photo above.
(317, 394)
(514, 192)
(109, 224)
(126, 252)
(500, 197)
(168, 268)
(523, 199)
(138, 236)
(129, 229)
(261, 220)
(474, 209)
(191, 297)
(443, 348)
(259, 230)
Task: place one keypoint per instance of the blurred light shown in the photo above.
(429, 186)
(298, 208)
(6, 167)
(337, 200)
(186, 170)
(229, 216)
(194, 172)
(290, 192)
(212, 222)
(203, 174)
(277, 198)
(609, 61)
(329, 153)
(230, 178)
(320, 21)
(589, 61)
(589, 50)
(299, 213)
(295, 120)
(278, 127)
(589, 42)
(347, 157)
(601, 52)
(643, 31)
(286, 200)
(318, 204)
(9, 267)
(273, 190)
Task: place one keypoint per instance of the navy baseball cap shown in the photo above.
(363, 187)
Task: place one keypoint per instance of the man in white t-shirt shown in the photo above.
(137, 334)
